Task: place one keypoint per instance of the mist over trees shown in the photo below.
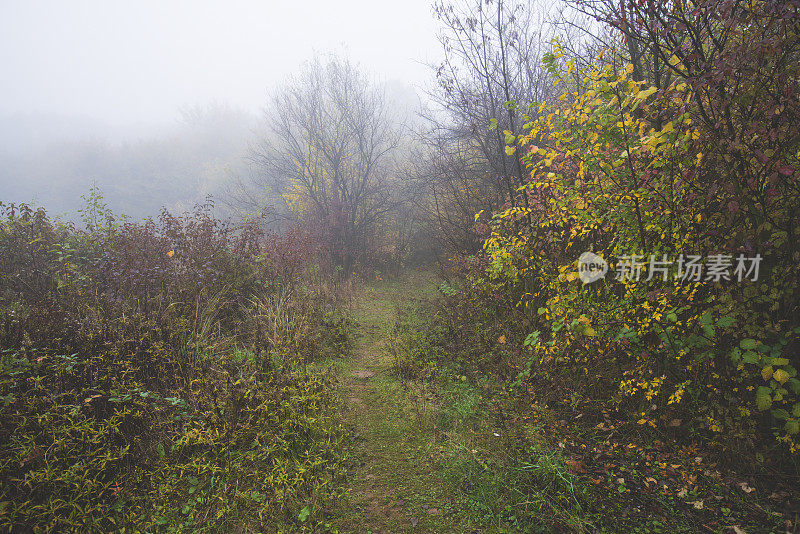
(557, 290)
(329, 155)
(492, 63)
(139, 170)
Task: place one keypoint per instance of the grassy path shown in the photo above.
(396, 482)
(442, 453)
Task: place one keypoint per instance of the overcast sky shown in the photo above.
(138, 61)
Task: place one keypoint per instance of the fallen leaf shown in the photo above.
(746, 488)
(576, 466)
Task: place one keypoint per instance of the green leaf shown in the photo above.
(751, 357)
(531, 340)
(304, 513)
(763, 398)
(493, 124)
(780, 413)
(748, 344)
(725, 322)
(792, 426)
(794, 385)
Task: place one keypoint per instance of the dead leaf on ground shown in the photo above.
(576, 466)
(746, 487)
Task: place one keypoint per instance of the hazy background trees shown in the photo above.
(377, 171)
(329, 155)
(53, 162)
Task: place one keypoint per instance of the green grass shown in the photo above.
(426, 454)
(397, 477)
(428, 434)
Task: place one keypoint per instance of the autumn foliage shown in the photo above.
(701, 161)
(153, 374)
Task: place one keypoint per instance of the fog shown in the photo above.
(97, 91)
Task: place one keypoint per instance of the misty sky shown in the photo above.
(138, 61)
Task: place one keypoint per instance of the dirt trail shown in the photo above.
(396, 483)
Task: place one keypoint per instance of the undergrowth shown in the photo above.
(159, 376)
(508, 479)
(537, 455)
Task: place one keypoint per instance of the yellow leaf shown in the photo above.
(766, 373)
(501, 339)
(171, 253)
(478, 215)
(781, 376)
(641, 95)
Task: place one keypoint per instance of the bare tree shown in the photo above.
(329, 153)
(492, 68)
(633, 29)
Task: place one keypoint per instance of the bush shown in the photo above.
(701, 161)
(152, 376)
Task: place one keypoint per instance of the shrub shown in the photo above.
(152, 376)
(704, 164)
